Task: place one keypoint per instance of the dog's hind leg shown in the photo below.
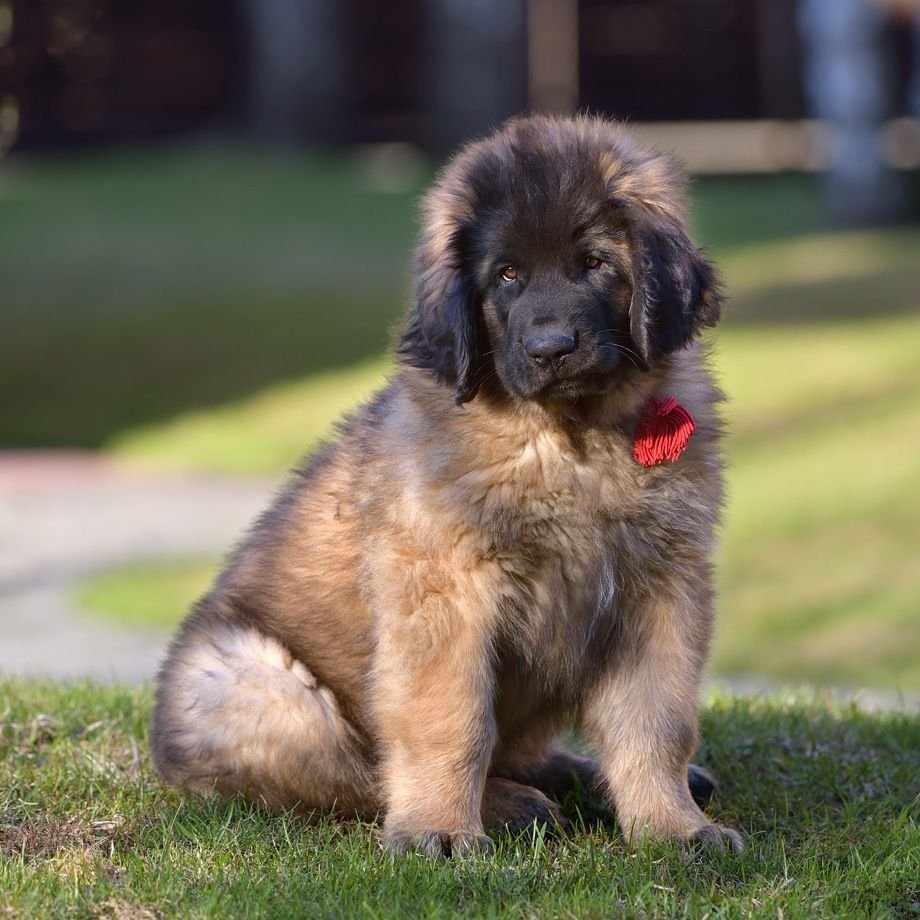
(236, 714)
(513, 807)
(559, 770)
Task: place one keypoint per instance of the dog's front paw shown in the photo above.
(436, 844)
(716, 837)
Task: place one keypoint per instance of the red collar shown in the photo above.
(663, 432)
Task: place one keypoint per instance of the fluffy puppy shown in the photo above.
(480, 558)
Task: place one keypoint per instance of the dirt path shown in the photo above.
(65, 516)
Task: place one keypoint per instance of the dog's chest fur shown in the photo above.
(575, 529)
(563, 545)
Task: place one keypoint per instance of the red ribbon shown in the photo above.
(663, 432)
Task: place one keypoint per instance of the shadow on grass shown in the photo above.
(886, 293)
(138, 286)
(91, 378)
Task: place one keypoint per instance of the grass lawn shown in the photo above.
(828, 798)
(147, 595)
(137, 285)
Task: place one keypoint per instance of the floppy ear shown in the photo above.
(441, 334)
(675, 290)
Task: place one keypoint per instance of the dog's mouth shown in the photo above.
(586, 384)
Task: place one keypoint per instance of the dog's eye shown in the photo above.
(591, 262)
(509, 274)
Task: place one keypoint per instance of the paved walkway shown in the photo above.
(64, 516)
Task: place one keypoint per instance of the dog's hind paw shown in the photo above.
(717, 837)
(702, 784)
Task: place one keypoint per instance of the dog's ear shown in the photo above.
(675, 291)
(441, 334)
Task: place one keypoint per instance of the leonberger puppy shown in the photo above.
(512, 537)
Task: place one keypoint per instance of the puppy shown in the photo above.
(501, 542)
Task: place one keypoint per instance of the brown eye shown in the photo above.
(591, 263)
(509, 273)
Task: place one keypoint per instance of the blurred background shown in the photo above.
(206, 213)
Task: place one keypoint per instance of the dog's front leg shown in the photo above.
(432, 696)
(643, 717)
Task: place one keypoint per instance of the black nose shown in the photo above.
(549, 348)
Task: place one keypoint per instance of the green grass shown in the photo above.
(827, 796)
(140, 285)
(818, 576)
(262, 433)
(147, 595)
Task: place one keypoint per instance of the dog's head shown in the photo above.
(555, 259)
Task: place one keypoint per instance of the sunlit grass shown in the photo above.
(147, 595)
(826, 795)
(263, 433)
(818, 574)
(819, 258)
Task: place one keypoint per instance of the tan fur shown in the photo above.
(423, 609)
